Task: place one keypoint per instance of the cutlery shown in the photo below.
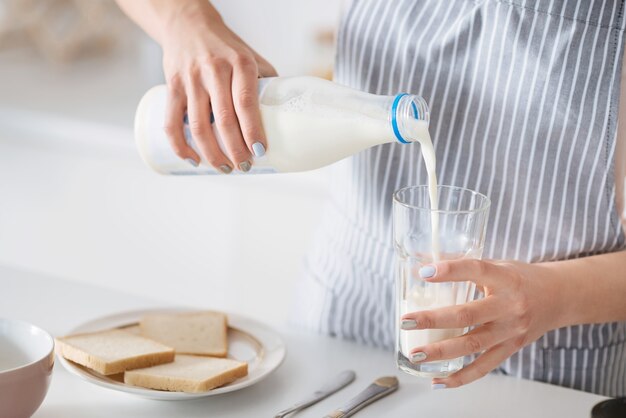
(381, 387)
(340, 381)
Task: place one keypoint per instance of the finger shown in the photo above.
(475, 341)
(265, 69)
(174, 115)
(480, 272)
(487, 361)
(219, 83)
(199, 115)
(246, 100)
(457, 316)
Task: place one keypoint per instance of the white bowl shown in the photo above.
(26, 360)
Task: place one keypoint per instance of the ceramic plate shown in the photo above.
(248, 340)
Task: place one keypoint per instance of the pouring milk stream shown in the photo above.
(309, 123)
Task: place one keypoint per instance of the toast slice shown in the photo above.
(133, 329)
(200, 333)
(191, 374)
(113, 351)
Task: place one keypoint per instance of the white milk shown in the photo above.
(422, 296)
(419, 130)
(307, 132)
(428, 297)
(309, 123)
(419, 338)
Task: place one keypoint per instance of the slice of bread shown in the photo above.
(113, 351)
(200, 333)
(133, 329)
(188, 374)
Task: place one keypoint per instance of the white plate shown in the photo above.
(248, 340)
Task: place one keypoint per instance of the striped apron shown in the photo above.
(524, 104)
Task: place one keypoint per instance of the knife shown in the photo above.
(381, 387)
(340, 381)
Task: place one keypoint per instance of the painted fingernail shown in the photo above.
(436, 386)
(408, 324)
(225, 169)
(417, 357)
(427, 272)
(258, 149)
(192, 161)
(245, 166)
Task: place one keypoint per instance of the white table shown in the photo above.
(57, 305)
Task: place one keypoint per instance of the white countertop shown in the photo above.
(58, 305)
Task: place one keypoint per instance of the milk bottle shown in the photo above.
(309, 123)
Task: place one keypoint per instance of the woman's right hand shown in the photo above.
(209, 69)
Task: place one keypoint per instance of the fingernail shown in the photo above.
(417, 357)
(258, 149)
(245, 166)
(192, 161)
(408, 324)
(427, 272)
(436, 386)
(225, 169)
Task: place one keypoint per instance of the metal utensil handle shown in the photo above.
(340, 381)
(379, 389)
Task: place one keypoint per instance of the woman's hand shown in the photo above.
(521, 304)
(208, 68)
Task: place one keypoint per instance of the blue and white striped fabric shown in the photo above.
(524, 98)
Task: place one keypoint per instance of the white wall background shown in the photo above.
(76, 201)
(281, 30)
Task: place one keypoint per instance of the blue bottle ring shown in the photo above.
(394, 121)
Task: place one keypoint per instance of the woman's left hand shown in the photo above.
(521, 304)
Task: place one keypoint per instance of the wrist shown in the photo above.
(181, 16)
(564, 295)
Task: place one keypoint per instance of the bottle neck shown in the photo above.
(405, 110)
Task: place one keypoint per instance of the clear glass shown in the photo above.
(462, 226)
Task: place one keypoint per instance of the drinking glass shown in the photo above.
(461, 221)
